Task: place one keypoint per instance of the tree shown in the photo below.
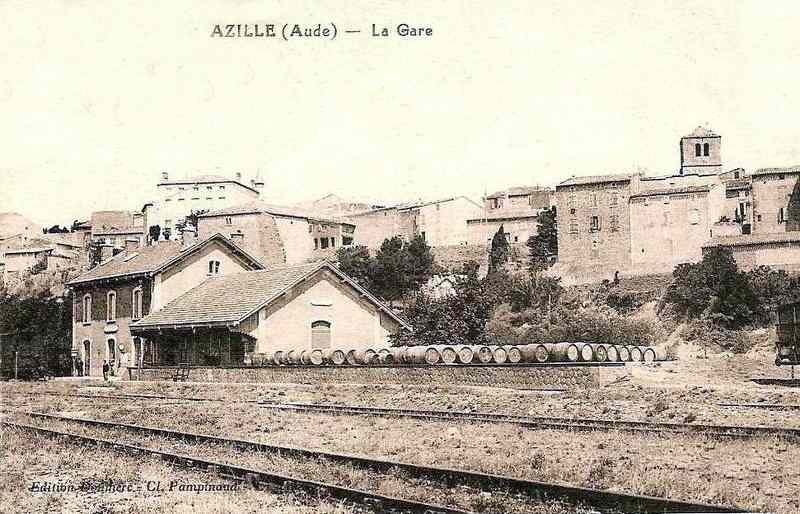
(388, 270)
(356, 261)
(714, 289)
(189, 222)
(453, 319)
(397, 269)
(155, 232)
(420, 261)
(543, 247)
(498, 254)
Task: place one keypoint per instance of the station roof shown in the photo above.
(230, 299)
(152, 259)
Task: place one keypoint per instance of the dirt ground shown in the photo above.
(760, 474)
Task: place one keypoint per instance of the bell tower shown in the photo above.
(701, 152)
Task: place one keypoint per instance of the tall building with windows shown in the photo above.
(640, 224)
(701, 152)
(178, 198)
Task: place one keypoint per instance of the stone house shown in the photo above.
(178, 198)
(594, 225)
(516, 209)
(333, 205)
(278, 235)
(777, 250)
(439, 222)
(225, 319)
(668, 226)
(131, 285)
(45, 254)
(776, 200)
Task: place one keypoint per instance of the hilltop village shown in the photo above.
(207, 253)
(628, 223)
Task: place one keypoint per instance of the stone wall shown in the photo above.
(593, 228)
(771, 193)
(255, 232)
(512, 376)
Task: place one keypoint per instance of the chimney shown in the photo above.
(238, 176)
(164, 175)
(132, 244)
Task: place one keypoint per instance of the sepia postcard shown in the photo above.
(529, 257)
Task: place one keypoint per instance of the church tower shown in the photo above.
(701, 153)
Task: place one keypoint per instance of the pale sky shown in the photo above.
(98, 98)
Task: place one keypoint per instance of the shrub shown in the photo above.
(708, 335)
(564, 323)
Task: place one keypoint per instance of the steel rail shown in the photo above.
(731, 431)
(374, 501)
(607, 501)
(770, 406)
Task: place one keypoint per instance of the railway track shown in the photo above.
(728, 431)
(603, 501)
(534, 422)
(372, 501)
(767, 406)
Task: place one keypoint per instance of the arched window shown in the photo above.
(320, 334)
(87, 308)
(705, 150)
(111, 306)
(136, 303)
(697, 150)
(213, 267)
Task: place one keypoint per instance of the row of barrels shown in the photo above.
(465, 354)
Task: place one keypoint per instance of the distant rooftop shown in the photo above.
(776, 171)
(258, 207)
(517, 191)
(672, 191)
(205, 179)
(753, 239)
(596, 179)
(702, 132)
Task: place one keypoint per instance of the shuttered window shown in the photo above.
(320, 334)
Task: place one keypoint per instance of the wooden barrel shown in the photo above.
(305, 357)
(624, 353)
(613, 354)
(315, 356)
(563, 352)
(350, 357)
(423, 355)
(334, 356)
(293, 357)
(600, 352)
(585, 351)
(651, 354)
(535, 352)
(465, 354)
(482, 354)
(399, 353)
(385, 356)
(636, 353)
(513, 354)
(447, 353)
(367, 357)
(499, 354)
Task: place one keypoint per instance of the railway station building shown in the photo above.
(134, 283)
(226, 319)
